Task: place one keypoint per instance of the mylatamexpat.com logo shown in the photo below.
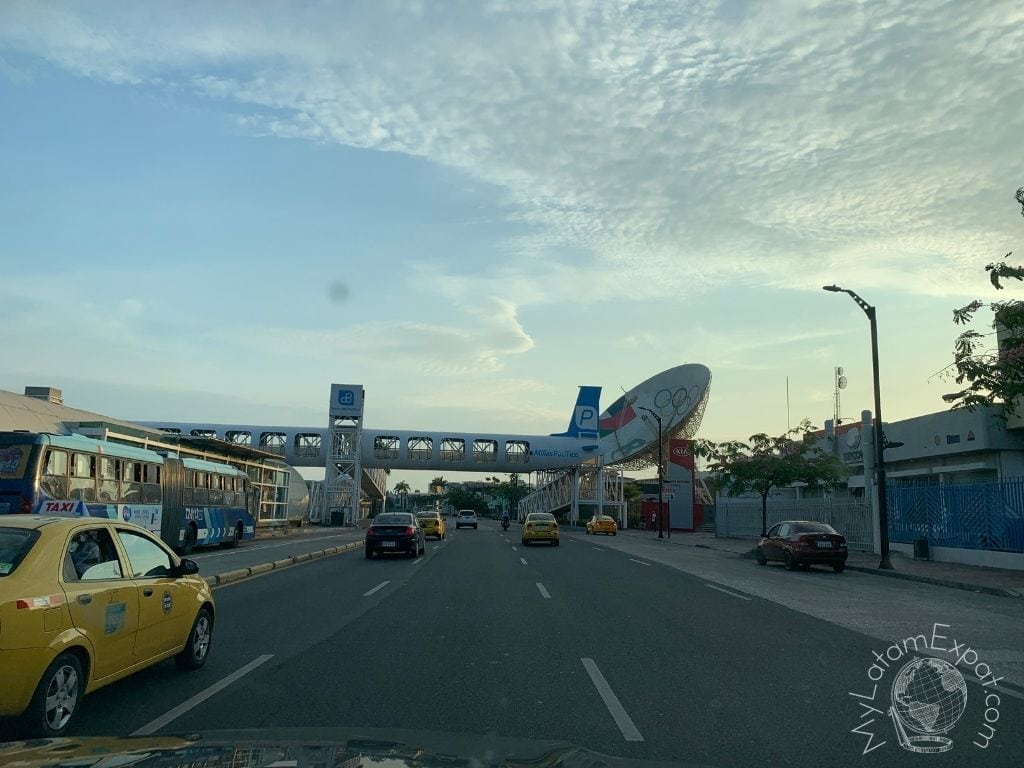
(921, 699)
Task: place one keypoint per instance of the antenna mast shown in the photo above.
(840, 385)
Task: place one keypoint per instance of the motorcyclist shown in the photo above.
(504, 520)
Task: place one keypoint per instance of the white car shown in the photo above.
(466, 518)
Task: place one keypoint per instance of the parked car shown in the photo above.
(803, 543)
(602, 524)
(395, 532)
(84, 602)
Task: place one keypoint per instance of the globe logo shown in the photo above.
(929, 696)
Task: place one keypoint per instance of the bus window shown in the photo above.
(200, 495)
(131, 482)
(109, 490)
(216, 490)
(83, 477)
(151, 484)
(54, 481)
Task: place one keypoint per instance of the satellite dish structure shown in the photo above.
(678, 395)
(842, 382)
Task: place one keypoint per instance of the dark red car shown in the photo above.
(803, 543)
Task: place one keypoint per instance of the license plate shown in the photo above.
(542, 528)
(824, 545)
(387, 543)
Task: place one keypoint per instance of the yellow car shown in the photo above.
(432, 524)
(85, 602)
(602, 524)
(540, 526)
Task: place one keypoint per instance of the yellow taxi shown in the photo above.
(432, 524)
(602, 524)
(540, 526)
(85, 602)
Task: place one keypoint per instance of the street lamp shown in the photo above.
(883, 501)
(661, 479)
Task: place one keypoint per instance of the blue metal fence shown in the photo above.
(973, 516)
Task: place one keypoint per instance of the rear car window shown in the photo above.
(15, 544)
(813, 528)
(543, 517)
(391, 520)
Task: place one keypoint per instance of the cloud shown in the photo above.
(671, 146)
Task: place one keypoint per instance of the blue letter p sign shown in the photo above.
(346, 397)
(586, 417)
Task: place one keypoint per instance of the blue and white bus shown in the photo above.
(187, 502)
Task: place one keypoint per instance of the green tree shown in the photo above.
(437, 485)
(460, 498)
(402, 489)
(992, 374)
(770, 462)
(511, 490)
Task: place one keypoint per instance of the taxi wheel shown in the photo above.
(197, 649)
(555, 542)
(56, 698)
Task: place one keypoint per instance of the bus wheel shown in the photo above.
(235, 539)
(190, 540)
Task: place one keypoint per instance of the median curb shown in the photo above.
(229, 577)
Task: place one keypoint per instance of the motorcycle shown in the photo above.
(504, 524)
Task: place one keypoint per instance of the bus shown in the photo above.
(187, 502)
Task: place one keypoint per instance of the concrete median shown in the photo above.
(229, 577)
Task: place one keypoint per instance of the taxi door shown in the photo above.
(103, 603)
(165, 617)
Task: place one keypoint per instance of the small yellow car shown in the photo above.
(540, 526)
(85, 602)
(602, 524)
(432, 524)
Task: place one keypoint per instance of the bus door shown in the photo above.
(172, 487)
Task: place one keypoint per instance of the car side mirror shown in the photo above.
(186, 568)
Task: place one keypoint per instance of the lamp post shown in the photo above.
(883, 502)
(661, 479)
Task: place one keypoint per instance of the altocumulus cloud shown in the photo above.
(677, 144)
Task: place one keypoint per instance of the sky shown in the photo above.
(211, 211)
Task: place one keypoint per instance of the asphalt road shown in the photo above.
(590, 642)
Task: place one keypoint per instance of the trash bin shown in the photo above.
(921, 549)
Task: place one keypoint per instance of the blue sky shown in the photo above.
(212, 211)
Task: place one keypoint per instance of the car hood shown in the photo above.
(302, 747)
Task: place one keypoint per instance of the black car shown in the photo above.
(395, 532)
(801, 544)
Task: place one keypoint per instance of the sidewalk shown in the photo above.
(973, 578)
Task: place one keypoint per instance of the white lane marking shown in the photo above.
(734, 594)
(155, 725)
(599, 549)
(638, 562)
(514, 549)
(615, 708)
(378, 588)
(522, 560)
(543, 592)
(419, 560)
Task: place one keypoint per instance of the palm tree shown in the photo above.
(402, 488)
(438, 482)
